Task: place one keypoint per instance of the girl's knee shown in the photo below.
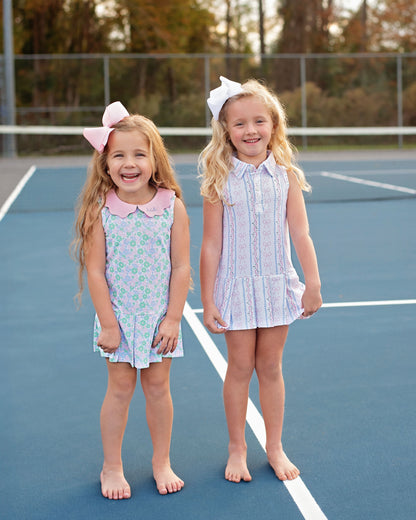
(268, 370)
(122, 390)
(155, 379)
(156, 389)
(155, 384)
(122, 384)
(241, 371)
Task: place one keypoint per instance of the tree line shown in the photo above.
(169, 90)
(212, 26)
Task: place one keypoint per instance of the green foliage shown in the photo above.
(356, 107)
(58, 26)
(341, 91)
(409, 105)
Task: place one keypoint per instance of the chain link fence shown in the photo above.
(318, 90)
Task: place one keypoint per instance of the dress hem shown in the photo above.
(108, 356)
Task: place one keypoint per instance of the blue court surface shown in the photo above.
(350, 370)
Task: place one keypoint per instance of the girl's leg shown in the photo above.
(269, 352)
(159, 413)
(114, 412)
(241, 346)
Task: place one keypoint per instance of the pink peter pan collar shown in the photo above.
(156, 206)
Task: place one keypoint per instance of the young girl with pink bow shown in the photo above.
(132, 238)
(249, 288)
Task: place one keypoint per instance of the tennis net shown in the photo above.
(49, 139)
(336, 173)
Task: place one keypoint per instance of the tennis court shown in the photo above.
(349, 371)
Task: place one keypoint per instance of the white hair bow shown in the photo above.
(219, 95)
(98, 136)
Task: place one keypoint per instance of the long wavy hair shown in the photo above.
(98, 183)
(215, 161)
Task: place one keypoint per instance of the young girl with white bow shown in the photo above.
(133, 240)
(250, 290)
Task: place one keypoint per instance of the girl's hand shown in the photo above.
(109, 339)
(213, 318)
(311, 301)
(167, 336)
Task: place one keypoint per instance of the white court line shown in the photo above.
(15, 193)
(352, 304)
(375, 184)
(370, 303)
(297, 489)
(368, 172)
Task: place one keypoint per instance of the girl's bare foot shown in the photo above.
(282, 466)
(237, 467)
(166, 480)
(113, 484)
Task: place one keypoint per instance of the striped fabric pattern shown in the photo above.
(257, 285)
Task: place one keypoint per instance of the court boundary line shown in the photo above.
(374, 184)
(368, 172)
(296, 488)
(16, 192)
(374, 303)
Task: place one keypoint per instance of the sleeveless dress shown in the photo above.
(138, 271)
(256, 284)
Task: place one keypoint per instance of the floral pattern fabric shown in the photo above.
(138, 268)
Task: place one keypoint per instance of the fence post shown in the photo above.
(207, 89)
(106, 63)
(399, 97)
(10, 106)
(304, 105)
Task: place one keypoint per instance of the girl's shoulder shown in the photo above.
(276, 169)
(180, 209)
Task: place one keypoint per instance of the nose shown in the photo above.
(251, 128)
(129, 161)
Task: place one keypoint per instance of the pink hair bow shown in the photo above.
(98, 136)
(219, 95)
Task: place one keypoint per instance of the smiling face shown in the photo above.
(130, 166)
(250, 128)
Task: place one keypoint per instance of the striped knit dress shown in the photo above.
(257, 285)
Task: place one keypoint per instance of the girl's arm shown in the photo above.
(110, 337)
(302, 242)
(209, 261)
(168, 334)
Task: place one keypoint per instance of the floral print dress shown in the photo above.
(138, 268)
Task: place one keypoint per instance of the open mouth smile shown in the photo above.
(129, 177)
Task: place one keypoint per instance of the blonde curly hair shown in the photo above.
(93, 195)
(215, 161)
